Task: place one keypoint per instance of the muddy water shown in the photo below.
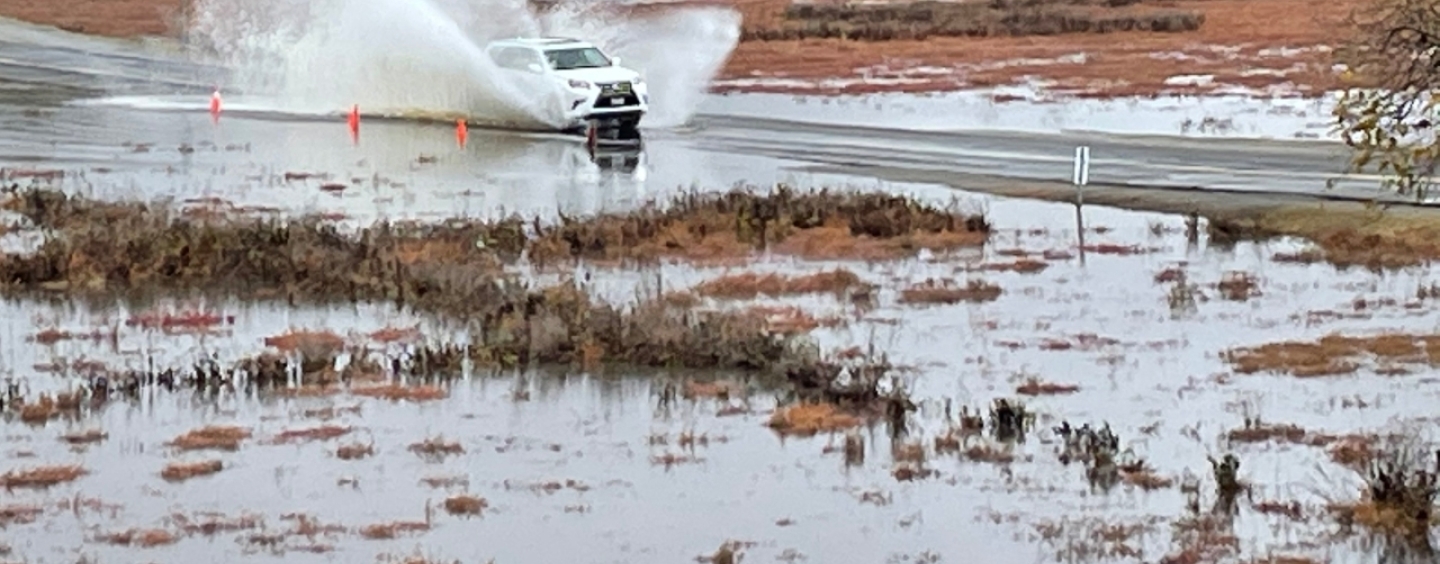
(787, 496)
(591, 434)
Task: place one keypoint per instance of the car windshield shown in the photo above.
(579, 58)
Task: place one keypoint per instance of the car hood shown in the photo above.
(601, 74)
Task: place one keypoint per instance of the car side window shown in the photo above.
(515, 58)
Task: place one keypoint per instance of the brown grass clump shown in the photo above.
(396, 392)
(438, 482)
(1035, 387)
(85, 437)
(791, 320)
(384, 531)
(1401, 488)
(1023, 266)
(946, 292)
(988, 453)
(1334, 354)
(1238, 286)
(807, 419)
(748, 285)
(1355, 453)
(354, 451)
(306, 340)
(436, 448)
(1257, 432)
(144, 538)
(48, 407)
(1396, 238)
(181, 471)
(1291, 510)
(465, 505)
(215, 437)
(41, 477)
(1147, 479)
(19, 514)
(321, 433)
(820, 225)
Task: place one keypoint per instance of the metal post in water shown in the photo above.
(1080, 177)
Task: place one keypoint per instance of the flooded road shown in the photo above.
(595, 465)
(135, 112)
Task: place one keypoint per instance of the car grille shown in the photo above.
(614, 101)
(614, 88)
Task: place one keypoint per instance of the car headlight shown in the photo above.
(579, 84)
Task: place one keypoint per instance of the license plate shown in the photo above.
(617, 101)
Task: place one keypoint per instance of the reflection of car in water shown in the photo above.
(589, 86)
(622, 159)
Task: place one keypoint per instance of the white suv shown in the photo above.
(591, 84)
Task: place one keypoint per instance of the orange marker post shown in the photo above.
(354, 122)
(462, 132)
(215, 105)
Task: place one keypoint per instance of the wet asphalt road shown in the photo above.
(405, 168)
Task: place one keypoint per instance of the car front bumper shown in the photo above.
(595, 105)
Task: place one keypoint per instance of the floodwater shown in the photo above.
(569, 461)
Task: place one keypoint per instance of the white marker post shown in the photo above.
(1081, 175)
(1080, 178)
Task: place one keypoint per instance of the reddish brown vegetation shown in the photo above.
(1290, 510)
(1238, 286)
(810, 418)
(1114, 249)
(1334, 354)
(791, 320)
(985, 452)
(436, 448)
(1350, 450)
(354, 451)
(946, 292)
(85, 437)
(215, 437)
(321, 433)
(1233, 40)
(179, 320)
(396, 335)
(41, 477)
(1355, 453)
(49, 406)
(445, 481)
(396, 392)
(1147, 479)
(301, 340)
(749, 285)
(385, 531)
(144, 538)
(19, 514)
(1023, 266)
(465, 505)
(181, 471)
(1035, 387)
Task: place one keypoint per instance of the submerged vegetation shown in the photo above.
(470, 275)
(925, 19)
(457, 270)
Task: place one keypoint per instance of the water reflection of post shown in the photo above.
(1080, 178)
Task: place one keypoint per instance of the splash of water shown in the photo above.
(427, 56)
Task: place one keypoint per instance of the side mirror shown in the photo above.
(615, 61)
(535, 68)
